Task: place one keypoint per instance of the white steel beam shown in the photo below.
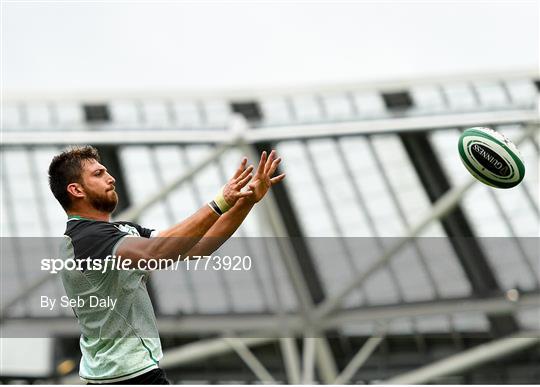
(392, 125)
(326, 364)
(466, 360)
(251, 360)
(431, 308)
(308, 360)
(291, 359)
(278, 133)
(203, 349)
(358, 360)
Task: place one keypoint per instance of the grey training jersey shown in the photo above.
(117, 342)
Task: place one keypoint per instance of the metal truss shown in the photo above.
(312, 320)
(318, 317)
(469, 359)
(360, 358)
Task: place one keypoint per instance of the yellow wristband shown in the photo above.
(221, 202)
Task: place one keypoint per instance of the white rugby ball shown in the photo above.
(491, 157)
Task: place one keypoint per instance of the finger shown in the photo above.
(274, 166)
(240, 168)
(244, 174)
(262, 163)
(243, 194)
(244, 181)
(269, 161)
(277, 179)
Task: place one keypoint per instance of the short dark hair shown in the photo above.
(66, 168)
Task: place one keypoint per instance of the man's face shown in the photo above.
(98, 186)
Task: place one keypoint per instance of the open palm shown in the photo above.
(263, 180)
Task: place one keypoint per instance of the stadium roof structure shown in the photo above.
(378, 232)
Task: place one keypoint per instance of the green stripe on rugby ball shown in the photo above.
(479, 176)
(485, 133)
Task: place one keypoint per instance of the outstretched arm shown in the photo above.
(179, 239)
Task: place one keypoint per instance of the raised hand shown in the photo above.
(263, 180)
(232, 191)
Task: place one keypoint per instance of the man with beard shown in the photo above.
(121, 344)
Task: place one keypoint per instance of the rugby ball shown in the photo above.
(491, 158)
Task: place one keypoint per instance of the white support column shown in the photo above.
(469, 359)
(308, 360)
(326, 363)
(291, 359)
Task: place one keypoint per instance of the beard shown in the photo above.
(103, 202)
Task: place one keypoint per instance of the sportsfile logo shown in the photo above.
(112, 262)
(489, 160)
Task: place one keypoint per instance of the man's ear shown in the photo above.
(76, 190)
